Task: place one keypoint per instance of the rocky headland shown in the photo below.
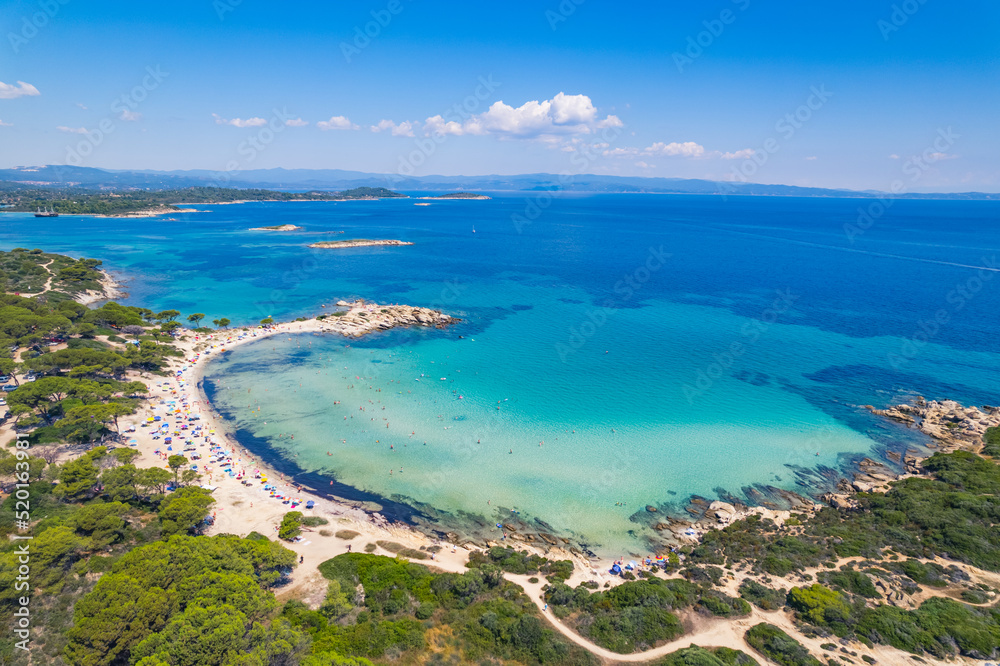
(364, 317)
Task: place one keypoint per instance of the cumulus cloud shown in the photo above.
(73, 130)
(239, 122)
(744, 154)
(3, 124)
(686, 149)
(132, 116)
(404, 128)
(22, 89)
(296, 122)
(337, 123)
(562, 115)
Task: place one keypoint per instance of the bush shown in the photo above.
(761, 596)
(853, 581)
(991, 442)
(347, 535)
(699, 656)
(314, 521)
(778, 646)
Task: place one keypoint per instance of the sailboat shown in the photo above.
(473, 228)
(46, 213)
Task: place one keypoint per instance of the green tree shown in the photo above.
(223, 323)
(176, 462)
(195, 318)
(168, 315)
(77, 479)
(291, 525)
(184, 509)
(266, 321)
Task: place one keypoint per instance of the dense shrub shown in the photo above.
(778, 646)
(762, 596)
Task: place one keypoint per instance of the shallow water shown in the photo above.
(731, 362)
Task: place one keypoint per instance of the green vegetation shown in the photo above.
(778, 646)
(941, 627)
(75, 201)
(34, 271)
(991, 442)
(699, 656)
(762, 596)
(411, 615)
(952, 514)
(291, 526)
(631, 617)
(521, 562)
(347, 535)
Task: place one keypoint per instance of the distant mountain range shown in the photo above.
(338, 179)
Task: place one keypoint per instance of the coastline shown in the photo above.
(110, 290)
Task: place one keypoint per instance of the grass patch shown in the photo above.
(347, 535)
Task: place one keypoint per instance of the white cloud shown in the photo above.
(132, 116)
(643, 165)
(296, 122)
(894, 156)
(936, 157)
(239, 122)
(744, 154)
(404, 128)
(22, 89)
(686, 149)
(81, 106)
(3, 124)
(337, 123)
(811, 158)
(561, 115)
(73, 130)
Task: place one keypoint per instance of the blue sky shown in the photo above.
(856, 94)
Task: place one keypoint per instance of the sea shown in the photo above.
(618, 355)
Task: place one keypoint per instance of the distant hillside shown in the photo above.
(339, 180)
(81, 201)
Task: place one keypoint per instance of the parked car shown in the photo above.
(4, 378)
(9, 387)
(3, 401)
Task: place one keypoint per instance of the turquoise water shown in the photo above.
(722, 369)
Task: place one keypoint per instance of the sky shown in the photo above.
(857, 94)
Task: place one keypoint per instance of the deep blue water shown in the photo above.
(659, 346)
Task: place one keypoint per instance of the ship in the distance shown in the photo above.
(46, 213)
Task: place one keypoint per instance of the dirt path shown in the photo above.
(48, 283)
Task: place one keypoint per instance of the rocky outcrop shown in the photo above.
(279, 227)
(362, 318)
(361, 242)
(953, 425)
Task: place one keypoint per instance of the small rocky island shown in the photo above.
(364, 317)
(357, 242)
(277, 227)
(460, 195)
